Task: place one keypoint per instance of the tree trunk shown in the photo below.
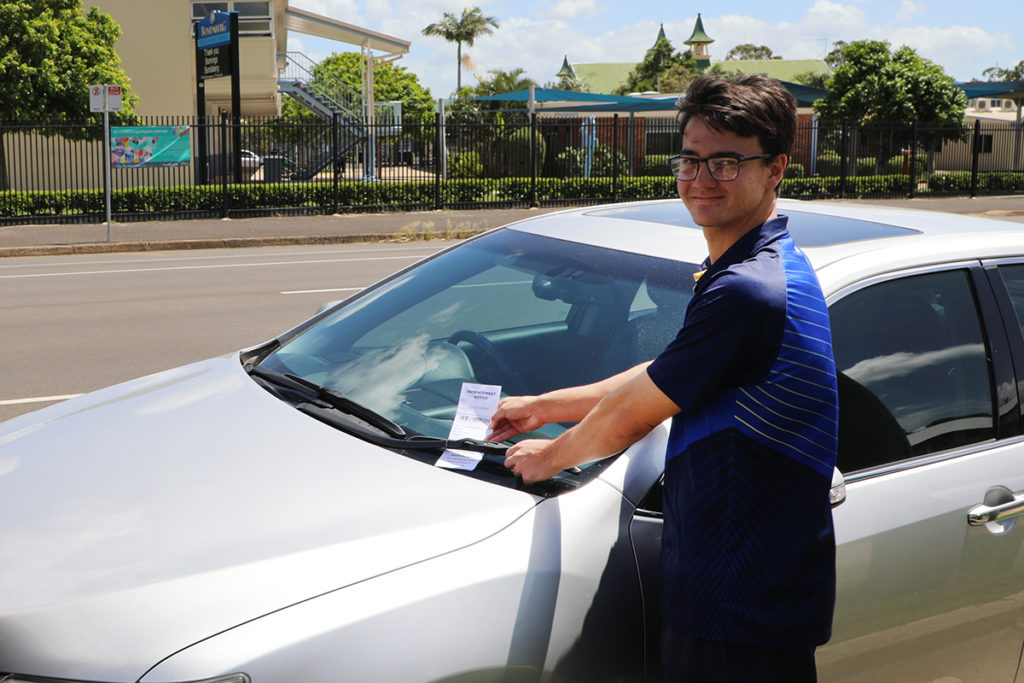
(458, 64)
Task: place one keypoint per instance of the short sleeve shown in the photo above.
(730, 338)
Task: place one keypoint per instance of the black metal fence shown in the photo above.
(54, 173)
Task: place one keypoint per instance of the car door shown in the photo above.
(929, 430)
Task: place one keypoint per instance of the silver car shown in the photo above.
(282, 514)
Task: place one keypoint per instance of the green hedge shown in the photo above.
(989, 182)
(257, 196)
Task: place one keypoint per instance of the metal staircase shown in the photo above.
(334, 101)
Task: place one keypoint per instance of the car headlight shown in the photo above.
(17, 678)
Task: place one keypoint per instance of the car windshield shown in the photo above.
(525, 312)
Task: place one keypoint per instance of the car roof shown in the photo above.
(843, 240)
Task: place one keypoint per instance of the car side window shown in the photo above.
(1013, 276)
(914, 376)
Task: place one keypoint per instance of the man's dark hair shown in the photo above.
(748, 105)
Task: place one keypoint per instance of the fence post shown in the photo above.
(912, 190)
(975, 156)
(844, 143)
(438, 158)
(533, 159)
(615, 158)
(225, 208)
(335, 161)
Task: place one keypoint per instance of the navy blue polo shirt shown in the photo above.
(748, 551)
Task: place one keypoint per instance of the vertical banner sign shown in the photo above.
(216, 40)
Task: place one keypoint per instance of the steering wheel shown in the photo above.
(513, 383)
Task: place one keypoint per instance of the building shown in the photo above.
(607, 77)
(158, 53)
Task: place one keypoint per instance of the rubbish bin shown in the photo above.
(273, 169)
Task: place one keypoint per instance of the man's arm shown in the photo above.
(522, 414)
(620, 419)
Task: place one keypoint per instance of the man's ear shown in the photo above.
(777, 167)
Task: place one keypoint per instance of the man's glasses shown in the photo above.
(721, 168)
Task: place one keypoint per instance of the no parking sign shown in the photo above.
(104, 98)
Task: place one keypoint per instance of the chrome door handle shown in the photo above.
(1000, 503)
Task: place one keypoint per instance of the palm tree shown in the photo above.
(465, 29)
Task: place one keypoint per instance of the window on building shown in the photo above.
(254, 18)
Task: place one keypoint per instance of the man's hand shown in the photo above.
(515, 415)
(532, 460)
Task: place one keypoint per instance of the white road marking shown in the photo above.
(324, 291)
(164, 259)
(226, 265)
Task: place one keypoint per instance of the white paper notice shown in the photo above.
(477, 403)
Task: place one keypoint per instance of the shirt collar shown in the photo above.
(742, 249)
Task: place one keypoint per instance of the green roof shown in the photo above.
(782, 69)
(566, 69)
(603, 77)
(698, 34)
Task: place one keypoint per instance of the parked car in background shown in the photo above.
(280, 513)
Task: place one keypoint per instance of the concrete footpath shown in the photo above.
(43, 240)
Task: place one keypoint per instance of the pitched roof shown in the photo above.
(782, 69)
(603, 77)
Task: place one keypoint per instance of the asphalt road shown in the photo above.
(72, 324)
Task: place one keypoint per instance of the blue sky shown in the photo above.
(963, 37)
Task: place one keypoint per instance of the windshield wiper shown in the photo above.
(416, 442)
(331, 397)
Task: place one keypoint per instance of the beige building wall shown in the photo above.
(158, 53)
(1004, 142)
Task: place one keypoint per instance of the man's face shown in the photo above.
(735, 205)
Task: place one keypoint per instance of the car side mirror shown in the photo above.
(837, 492)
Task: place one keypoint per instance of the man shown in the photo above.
(748, 553)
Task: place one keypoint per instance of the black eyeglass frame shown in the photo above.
(675, 164)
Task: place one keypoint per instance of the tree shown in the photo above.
(751, 51)
(812, 79)
(877, 88)
(659, 59)
(995, 74)
(391, 83)
(835, 58)
(51, 51)
(465, 29)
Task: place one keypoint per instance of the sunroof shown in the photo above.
(807, 229)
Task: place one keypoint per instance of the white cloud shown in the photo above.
(573, 9)
(908, 8)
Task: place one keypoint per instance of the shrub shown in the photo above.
(465, 165)
(571, 162)
(828, 163)
(655, 165)
(518, 150)
(795, 170)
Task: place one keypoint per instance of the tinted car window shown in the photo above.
(914, 375)
(1013, 276)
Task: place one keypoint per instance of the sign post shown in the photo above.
(105, 98)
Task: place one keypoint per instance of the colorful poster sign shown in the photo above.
(150, 146)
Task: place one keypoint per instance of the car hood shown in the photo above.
(142, 518)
